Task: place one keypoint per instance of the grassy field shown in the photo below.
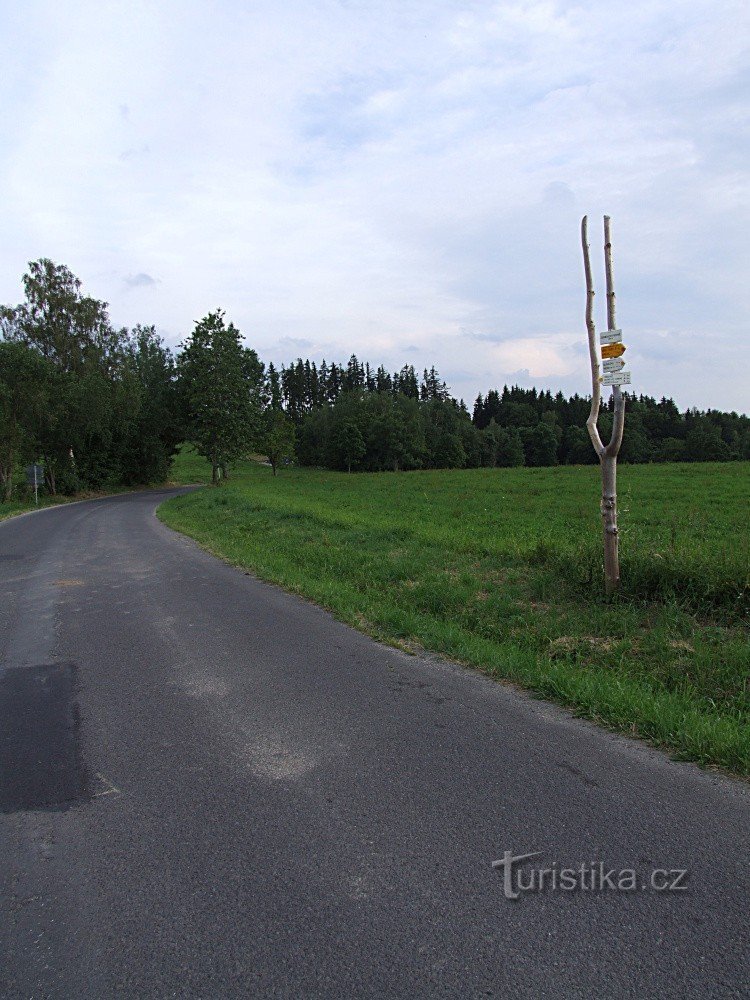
(501, 569)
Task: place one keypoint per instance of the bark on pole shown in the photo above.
(608, 453)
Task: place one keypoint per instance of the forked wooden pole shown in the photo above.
(607, 454)
(596, 388)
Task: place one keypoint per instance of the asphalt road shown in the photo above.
(210, 788)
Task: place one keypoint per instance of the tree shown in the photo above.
(347, 444)
(539, 444)
(577, 447)
(670, 449)
(90, 403)
(509, 448)
(151, 429)
(471, 442)
(445, 448)
(278, 442)
(704, 443)
(67, 328)
(501, 446)
(221, 383)
(274, 387)
(25, 380)
(432, 386)
(391, 429)
(312, 437)
(636, 447)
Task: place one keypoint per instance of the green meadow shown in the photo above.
(501, 570)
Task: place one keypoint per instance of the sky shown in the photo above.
(401, 180)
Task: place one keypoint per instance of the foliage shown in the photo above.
(155, 430)
(538, 429)
(278, 439)
(221, 385)
(98, 403)
(347, 444)
(25, 381)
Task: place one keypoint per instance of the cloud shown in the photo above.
(140, 280)
(378, 179)
(132, 151)
(295, 344)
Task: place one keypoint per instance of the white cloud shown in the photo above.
(402, 181)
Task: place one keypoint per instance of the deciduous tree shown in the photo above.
(278, 441)
(221, 384)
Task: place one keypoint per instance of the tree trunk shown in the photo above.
(49, 475)
(609, 459)
(11, 459)
(607, 453)
(9, 477)
(609, 522)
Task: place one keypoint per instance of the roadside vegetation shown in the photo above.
(500, 569)
(23, 506)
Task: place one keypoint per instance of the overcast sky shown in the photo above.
(404, 180)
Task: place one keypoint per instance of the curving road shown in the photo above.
(210, 788)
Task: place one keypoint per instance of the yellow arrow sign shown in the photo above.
(613, 350)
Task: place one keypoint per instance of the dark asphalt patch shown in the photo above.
(40, 753)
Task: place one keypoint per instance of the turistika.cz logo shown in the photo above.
(589, 876)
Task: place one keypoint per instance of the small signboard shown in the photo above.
(611, 337)
(34, 475)
(612, 365)
(613, 350)
(616, 378)
(35, 478)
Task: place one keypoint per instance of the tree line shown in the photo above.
(93, 402)
(356, 416)
(102, 406)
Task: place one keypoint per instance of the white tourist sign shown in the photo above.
(610, 337)
(616, 378)
(613, 365)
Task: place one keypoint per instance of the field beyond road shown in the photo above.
(501, 569)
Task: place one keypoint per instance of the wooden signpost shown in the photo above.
(612, 348)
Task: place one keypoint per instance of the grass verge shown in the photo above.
(16, 507)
